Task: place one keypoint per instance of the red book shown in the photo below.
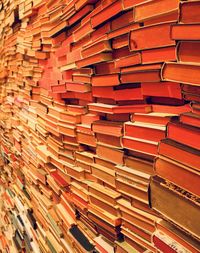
(140, 145)
(180, 175)
(142, 38)
(100, 32)
(106, 68)
(146, 73)
(123, 30)
(159, 55)
(151, 9)
(153, 118)
(161, 245)
(112, 109)
(107, 13)
(128, 4)
(95, 48)
(103, 92)
(175, 72)
(128, 94)
(120, 42)
(123, 20)
(190, 12)
(162, 89)
(59, 180)
(185, 32)
(107, 127)
(144, 131)
(102, 57)
(126, 61)
(188, 51)
(78, 87)
(190, 118)
(80, 14)
(105, 80)
(184, 134)
(171, 109)
(82, 31)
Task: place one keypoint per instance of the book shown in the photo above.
(159, 187)
(174, 72)
(148, 10)
(139, 38)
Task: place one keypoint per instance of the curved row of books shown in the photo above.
(100, 126)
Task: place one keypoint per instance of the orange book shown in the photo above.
(112, 109)
(123, 20)
(101, 31)
(128, 4)
(150, 9)
(188, 51)
(86, 139)
(94, 59)
(121, 52)
(108, 140)
(185, 32)
(95, 48)
(128, 94)
(84, 96)
(80, 14)
(120, 42)
(103, 92)
(190, 12)
(78, 87)
(146, 73)
(106, 68)
(168, 17)
(178, 131)
(181, 175)
(159, 55)
(110, 154)
(79, 44)
(162, 89)
(105, 80)
(133, 59)
(144, 131)
(190, 118)
(107, 127)
(123, 30)
(82, 31)
(106, 13)
(140, 145)
(181, 153)
(81, 3)
(178, 72)
(58, 88)
(118, 117)
(142, 38)
(81, 78)
(171, 109)
(152, 118)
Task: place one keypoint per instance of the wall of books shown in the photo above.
(100, 126)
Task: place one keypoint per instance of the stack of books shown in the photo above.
(99, 126)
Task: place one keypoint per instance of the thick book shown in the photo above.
(179, 152)
(141, 38)
(185, 207)
(175, 72)
(181, 175)
(151, 9)
(178, 131)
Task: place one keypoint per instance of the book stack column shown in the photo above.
(99, 126)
